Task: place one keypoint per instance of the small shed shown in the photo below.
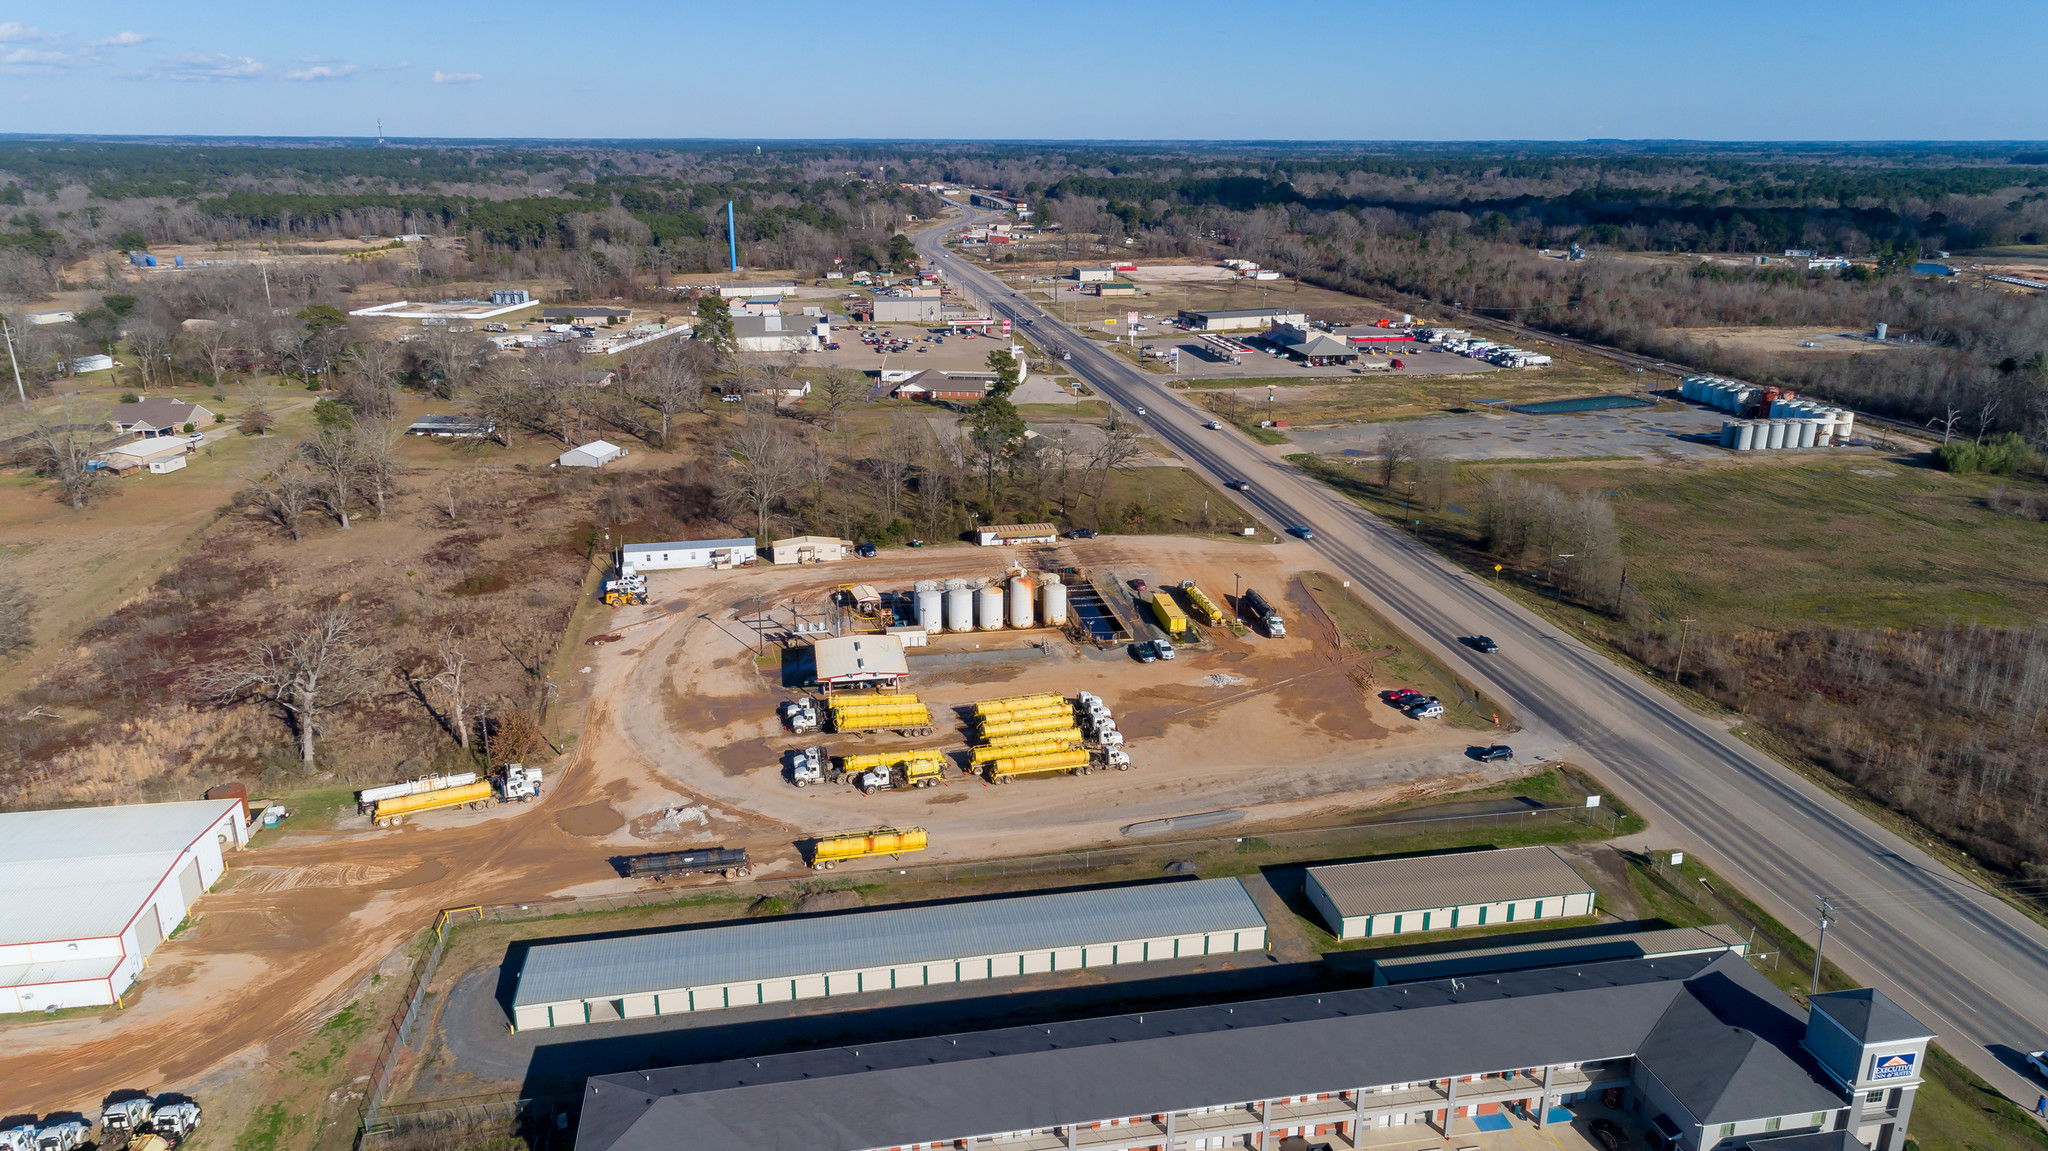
(808, 550)
(860, 660)
(164, 465)
(595, 454)
(1444, 892)
(996, 535)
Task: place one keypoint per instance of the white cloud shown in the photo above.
(36, 59)
(457, 77)
(323, 72)
(201, 67)
(13, 33)
(121, 40)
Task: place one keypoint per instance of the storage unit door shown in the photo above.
(149, 931)
(189, 885)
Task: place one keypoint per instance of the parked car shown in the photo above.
(1144, 653)
(1485, 643)
(1140, 586)
(1497, 753)
(864, 550)
(1399, 696)
(1163, 648)
(1300, 531)
(1081, 534)
(1425, 709)
(1609, 1134)
(1214, 425)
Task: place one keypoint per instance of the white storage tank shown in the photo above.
(1808, 429)
(1055, 597)
(1745, 435)
(1824, 435)
(990, 615)
(959, 605)
(1727, 433)
(1845, 424)
(1775, 434)
(1022, 592)
(931, 606)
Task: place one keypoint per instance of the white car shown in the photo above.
(1214, 425)
(1163, 648)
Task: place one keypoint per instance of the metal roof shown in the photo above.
(84, 873)
(853, 1098)
(858, 657)
(1672, 941)
(1008, 531)
(1239, 313)
(690, 545)
(1425, 882)
(1870, 1016)
(786, 948)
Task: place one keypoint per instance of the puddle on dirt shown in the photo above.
(737, 759)
(954, 797)
(675, 605)
(706, 714)
(1332, 704)
(1149, 713)
(592, 819)
(432, 871)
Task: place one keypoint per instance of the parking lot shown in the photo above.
(1646, 433)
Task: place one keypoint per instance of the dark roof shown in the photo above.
(1870, 1016)
(156, 411)
(1730, 1051)
(1437, 963)
(921, 1090)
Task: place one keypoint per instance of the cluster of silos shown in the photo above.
(1792, 424)
(1016, 600)
(1717, 393)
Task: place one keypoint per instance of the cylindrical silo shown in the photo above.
(931, 606)
(1745, 435)
(989, 616)
(1727, 433)
(1845, 424)
(1022, 592)
(959, 606)
(1808, 429)
(1774, 434)
(1055, 594)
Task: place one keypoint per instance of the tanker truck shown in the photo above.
(830, 849)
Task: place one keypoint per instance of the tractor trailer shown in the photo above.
(1201, 603)
(1264, 614)
(830, 849)
(730, 862)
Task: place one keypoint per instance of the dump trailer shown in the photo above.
(914, 719)
(120, 1121)
(1170, 617)
(830, 849)
(478, 792)
(1201, 603)
(1015, 702)
(731, 862)
(369, 796)
(1027, 745)
(1046, 763)
(1049, 722)
(1263, 614)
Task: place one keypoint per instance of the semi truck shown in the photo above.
(1070, 762)
(65, 1136)
(22, 1138)
(370, 796)
(1263, 614)
(1170, 617)
(1201, 603)
(174, 1121)
(830, 849)
(911, 718)
(801, 715)
(514, 783)
(119, 1122)
(730, 862)
(887, 770)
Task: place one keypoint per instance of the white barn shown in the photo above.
(92, 891)
(635, 558)
(595, 454)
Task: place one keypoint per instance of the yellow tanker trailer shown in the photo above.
(830, 849)
(1051, 721)
(478, 792)
(1046, 763)
(1018, 702)
(1017, 745)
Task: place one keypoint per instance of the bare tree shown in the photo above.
(285, 490)
(150, 339)
(672, 382)
(762, 470)
(62, 444)
(455, 663)
(1397, 447)
(890, 467)
(841, 387)
(376, 458)
(1121, 447)
(333, 453)
(210, 345)
(311, 665)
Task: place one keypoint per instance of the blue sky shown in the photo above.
(1818, 69)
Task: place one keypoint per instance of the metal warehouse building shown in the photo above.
(704, 969)
(90, 892)
(1441, 892)
(1241, 319)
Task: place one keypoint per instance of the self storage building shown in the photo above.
(1700, 1049)
(1442, 892)
(91, 892)
(709, 968)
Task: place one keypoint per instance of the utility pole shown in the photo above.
(1826, 909)
(267, 301)
(1684, 629)
(19, 391)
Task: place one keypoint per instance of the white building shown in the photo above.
(1444, 892)
(780, 333)
(90, 892)
(808, 550)
(748, 291)
(732, 553)
(1094, 275)
(595, 454)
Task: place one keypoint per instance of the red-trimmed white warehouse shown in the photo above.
(91, 892)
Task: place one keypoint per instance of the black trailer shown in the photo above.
(731, 862)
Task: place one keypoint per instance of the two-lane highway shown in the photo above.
(1967, 964)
